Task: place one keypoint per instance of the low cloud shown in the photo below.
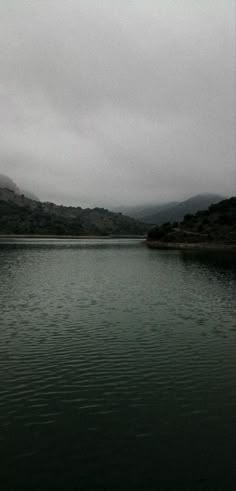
(106, 103)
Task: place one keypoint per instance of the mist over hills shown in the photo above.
(143, 212)
(172, 211)
(22, 212)
(8, 183)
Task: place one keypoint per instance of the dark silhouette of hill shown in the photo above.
(21, 215)
(217, 224)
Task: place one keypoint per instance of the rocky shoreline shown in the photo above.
(155, 244)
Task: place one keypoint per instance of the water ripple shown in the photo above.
(116, 355)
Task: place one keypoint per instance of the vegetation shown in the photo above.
(20, 215)
(217, 224)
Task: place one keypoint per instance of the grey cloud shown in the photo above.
(118, 102)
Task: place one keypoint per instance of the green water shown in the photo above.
(117, 365)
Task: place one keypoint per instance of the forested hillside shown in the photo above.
(217, 224)
(20, 215)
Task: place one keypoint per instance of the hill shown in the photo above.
(21, 215)
(7, 183)
(216, 225)
(176, 211)
(144, 212)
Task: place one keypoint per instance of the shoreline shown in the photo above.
(153, 244)
(70, 237)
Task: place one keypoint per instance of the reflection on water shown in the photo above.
(218, 260)
(117, 365)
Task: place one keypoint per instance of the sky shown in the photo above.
(108, 103)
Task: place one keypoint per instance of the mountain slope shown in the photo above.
(177, 211)
(215, 225)
(20, 215)
(145, 211)
(7, 183)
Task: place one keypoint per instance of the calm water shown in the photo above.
(117, 365)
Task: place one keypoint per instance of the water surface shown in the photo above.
(117, 365)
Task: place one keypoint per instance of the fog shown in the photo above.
(110, 103)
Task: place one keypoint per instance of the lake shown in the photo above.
(117, 365)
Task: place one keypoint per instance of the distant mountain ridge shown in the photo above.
(173, 211)
(143, 212)
(21, 215)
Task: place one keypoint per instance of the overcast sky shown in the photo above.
(108, 102)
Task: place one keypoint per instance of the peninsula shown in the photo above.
(214, 228)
